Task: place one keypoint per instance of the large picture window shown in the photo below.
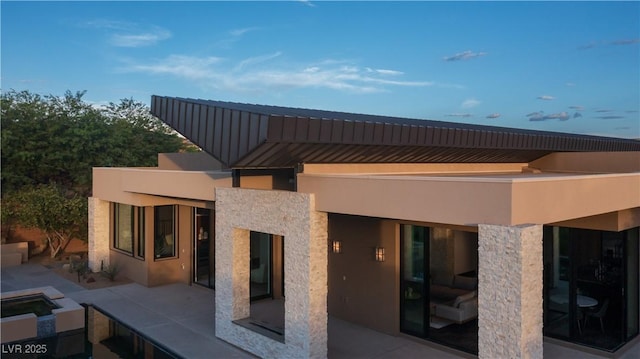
(165, 236)
(128, 228)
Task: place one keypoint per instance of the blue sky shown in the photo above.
(557, 66)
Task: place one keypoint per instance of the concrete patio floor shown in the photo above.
(181, 317)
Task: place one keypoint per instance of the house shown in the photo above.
(485, 239)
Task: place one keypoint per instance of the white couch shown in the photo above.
(456, 299)
(447, 290)
(461, 311)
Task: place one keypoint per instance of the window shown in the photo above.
(141, 224)
(129, 228)
(164, 244)
(590, 286)
(123, 227)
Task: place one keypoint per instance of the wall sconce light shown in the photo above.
(379, 255)
(336, 247)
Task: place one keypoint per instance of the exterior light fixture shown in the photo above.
(336, 247)
(379, 255)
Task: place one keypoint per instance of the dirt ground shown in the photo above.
(57, 265)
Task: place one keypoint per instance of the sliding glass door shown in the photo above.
(438, 285)
(204, 256)
(591, 286)
(414, 308)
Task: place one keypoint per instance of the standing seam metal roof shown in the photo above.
(258, 136)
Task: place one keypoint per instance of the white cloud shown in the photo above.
(139, 40)
(540, 116)
(129, 34)
(626, 42)
(593, 44)
(466, 55)
(493, 115)
(247, 76)
(307, 2)
(192, 68)
(459, 115)
(256, 60)
(546, 98)
(385, 72)
(240, 32)
(469, 103)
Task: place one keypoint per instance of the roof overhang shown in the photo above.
(257, 136)
(152, 187)
(505, 199)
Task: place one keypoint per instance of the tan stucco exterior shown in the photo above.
(589, 162)
(145, 187)
(365, 205)
(362, 290)
(150, 271)
(505, 199)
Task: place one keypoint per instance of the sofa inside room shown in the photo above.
(455, 299)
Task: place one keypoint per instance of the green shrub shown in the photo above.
(111, 271)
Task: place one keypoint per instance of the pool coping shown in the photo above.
(68, 316)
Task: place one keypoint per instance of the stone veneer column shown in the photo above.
(98, 233)
(292, 215)
(510, 291)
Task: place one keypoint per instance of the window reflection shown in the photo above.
(585, 288)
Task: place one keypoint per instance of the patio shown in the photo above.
(181, 317)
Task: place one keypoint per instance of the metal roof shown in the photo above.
(258, 136)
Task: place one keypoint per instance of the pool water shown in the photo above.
(102, 337)
(37, 304)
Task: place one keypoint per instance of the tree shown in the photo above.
(49, 139)
(53, 142)
(60, 214)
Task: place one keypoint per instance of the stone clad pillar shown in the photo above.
(98, 233)
(291, 215)
(510, 291)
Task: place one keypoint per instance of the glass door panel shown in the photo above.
(632, 271)
(557, 269)
(414, 296)
(203, 255)
(591, 286)
(438, 267)
(599, 287)
(261, 265)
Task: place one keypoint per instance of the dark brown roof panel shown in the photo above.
(246, 135)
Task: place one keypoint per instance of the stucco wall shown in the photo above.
(362, 290)
(291, 215)
(510, 291)
(151, 272)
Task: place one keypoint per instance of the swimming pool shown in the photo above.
(38, 304)
(102, 336)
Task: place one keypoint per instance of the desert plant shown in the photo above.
(111, 271)
(80, 266)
